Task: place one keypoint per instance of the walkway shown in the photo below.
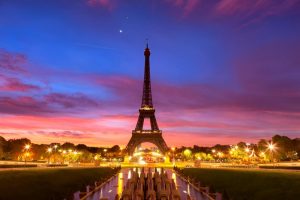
(116, 185)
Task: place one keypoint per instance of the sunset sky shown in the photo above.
(222, 71)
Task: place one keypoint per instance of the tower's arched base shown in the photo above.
(154, 138)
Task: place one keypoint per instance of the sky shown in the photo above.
(222, 71)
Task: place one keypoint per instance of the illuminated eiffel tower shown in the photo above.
(139, 135)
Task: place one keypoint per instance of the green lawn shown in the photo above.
(47, 184)
(250, 184)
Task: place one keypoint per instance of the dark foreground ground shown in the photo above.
(250, 184)
(48, 184)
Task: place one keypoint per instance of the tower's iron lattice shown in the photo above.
(139, 135)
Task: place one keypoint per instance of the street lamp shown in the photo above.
(49, 150)
(271, 147)
(26, 148)
(173, 150)
(247, 149)
(104, 150)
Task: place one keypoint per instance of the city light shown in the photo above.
(49, 150)
(247, 150)
(271, 146)
(27, 146)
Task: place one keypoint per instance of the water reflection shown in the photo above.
(129, 174)
(175, 179)
(120, 183)
(115, 186)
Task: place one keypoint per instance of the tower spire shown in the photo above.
(147, 43)
(147, 94)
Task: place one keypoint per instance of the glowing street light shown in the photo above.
(220, 154)
(49, 150)
(173, 155)
(27, 147)
(272, 148)
(247, 150)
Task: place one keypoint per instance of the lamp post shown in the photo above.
(55, 152)
(271, 147)
(49, 150)
(213, 153)
(26, 148)
(104, 150)
(173, 150)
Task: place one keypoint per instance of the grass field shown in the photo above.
(250, 184)
(47, 184)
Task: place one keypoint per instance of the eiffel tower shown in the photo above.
(139, 135)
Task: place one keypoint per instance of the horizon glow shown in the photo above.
(222, 71)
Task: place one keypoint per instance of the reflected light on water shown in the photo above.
(159, 170)
(129, 174)
(174, 178)
(120, 183)
(101, 193)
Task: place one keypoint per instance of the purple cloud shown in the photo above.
(14, 84)
(12, 61)
(65, 134)
(50, 104)
(76, 100)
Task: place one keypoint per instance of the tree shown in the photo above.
(187, 153)
(68, 145)
(242, 145)
(262, 145)
(115, 149)
(284, 147)
(2, 147)
(81, 147)
(15, 147)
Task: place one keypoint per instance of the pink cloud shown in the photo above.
(190, 6)
(65, 134)
(49, 104)
(12, 61)
(14, 84)
(203, 129)
(109, 4)
(127, 93)
(187, 6)
(70, 100)
(265, 7)
(253, 11)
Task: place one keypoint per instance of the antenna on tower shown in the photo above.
(147, 40)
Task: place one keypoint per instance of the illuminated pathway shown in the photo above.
(115, 186)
